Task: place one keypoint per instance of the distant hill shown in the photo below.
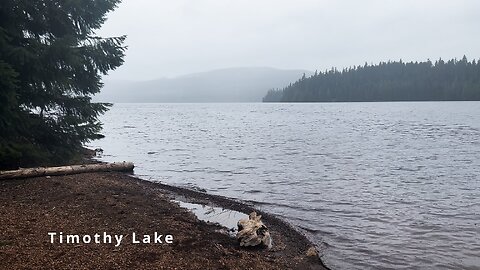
(223, 85)
(391, 81)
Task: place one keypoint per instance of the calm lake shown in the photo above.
(374, 185)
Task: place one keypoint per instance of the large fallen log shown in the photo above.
(64, 170)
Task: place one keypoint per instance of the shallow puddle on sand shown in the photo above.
(225, 217)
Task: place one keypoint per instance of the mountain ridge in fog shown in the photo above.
(240, 84)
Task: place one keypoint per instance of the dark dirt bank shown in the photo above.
(116, 203)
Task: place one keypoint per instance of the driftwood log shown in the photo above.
(64, 170)
(252, 232)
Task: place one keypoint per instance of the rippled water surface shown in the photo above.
(375, 185)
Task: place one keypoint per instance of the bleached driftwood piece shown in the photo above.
(252, 232)
(64, 170)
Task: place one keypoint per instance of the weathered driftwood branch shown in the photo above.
(63, 170)
(252, 232)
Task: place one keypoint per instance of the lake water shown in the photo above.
(374, 185)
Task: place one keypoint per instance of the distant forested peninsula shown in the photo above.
(387, 81)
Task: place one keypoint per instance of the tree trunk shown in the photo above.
(64, 170)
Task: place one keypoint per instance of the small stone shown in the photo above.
(312, 252)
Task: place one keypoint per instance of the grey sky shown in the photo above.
(170, 38)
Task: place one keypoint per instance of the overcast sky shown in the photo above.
(176, 37)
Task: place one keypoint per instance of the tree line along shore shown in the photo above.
(452, 80)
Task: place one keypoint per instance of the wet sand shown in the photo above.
(116, 203)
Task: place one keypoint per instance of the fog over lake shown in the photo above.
(174, 38)
(352, 127)
(374, 185)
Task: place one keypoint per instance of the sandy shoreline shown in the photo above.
(118, 204)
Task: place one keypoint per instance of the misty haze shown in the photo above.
(225, 85)
(271, 134)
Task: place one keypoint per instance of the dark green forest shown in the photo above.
(388, 81)
(51, 63)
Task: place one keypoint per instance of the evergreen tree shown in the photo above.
(51, 64)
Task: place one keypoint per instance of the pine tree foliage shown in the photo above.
(51, 63)
(387, 81)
